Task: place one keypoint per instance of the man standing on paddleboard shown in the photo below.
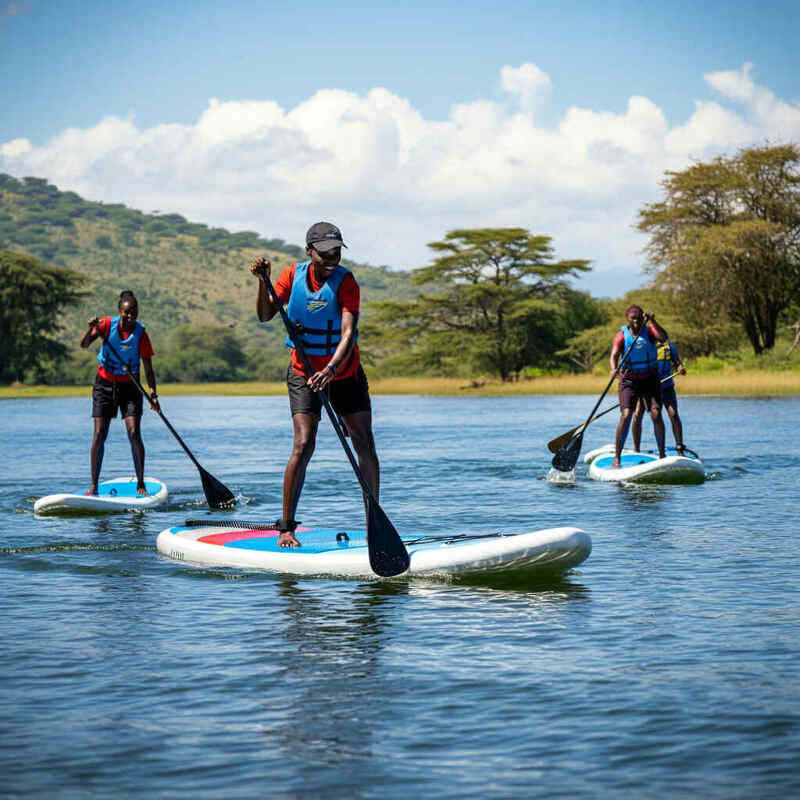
(669, 364)
(113, 388)
(638, 376)
(322, 300)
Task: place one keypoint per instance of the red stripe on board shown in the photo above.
(236, 536)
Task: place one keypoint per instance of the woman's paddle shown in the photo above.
(387, 553)
(554, 445)
(567, 456)
(217, 494)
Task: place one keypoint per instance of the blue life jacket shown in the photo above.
(127, 348)
(643, 356)
(316, 315)
(667, 363)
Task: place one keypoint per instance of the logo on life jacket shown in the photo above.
(316, 305)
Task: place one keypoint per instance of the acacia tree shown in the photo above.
(726, 238)
(32, 294)
(496, 294)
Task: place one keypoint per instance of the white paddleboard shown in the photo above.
(644, 467)
(115, 495)
(328, 551)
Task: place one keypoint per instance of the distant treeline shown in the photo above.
(723, 257)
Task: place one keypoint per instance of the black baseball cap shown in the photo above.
(324, 236)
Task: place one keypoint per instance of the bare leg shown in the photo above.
(677, 428)
(98, 449)
(636, 424)
(360, 427)
(658, 428)
(133, 427)
(305, 437)
(622, 434)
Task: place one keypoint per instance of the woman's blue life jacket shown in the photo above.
(643, 357)
(668, 361)
(317, 316)
(127, 348)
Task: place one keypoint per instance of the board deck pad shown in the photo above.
(122, 488)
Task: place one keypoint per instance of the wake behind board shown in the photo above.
(116, 495)
(328, 551)
(644, 467)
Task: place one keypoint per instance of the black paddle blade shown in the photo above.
(554, 445)
(387, 553)
(567, 457)
(218, 495)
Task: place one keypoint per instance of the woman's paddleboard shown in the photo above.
(112, 496)
(328, 551)
(644, 467)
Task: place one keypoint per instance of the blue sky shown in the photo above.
(156, 67)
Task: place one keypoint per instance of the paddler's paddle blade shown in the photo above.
(554, 445)
(218, 495)
(567, 457)
(387, 553)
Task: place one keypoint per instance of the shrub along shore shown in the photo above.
(726, 382)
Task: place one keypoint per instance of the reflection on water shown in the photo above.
(331, 654)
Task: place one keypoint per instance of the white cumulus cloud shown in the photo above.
(395, 181)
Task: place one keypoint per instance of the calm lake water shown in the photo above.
(667, 665)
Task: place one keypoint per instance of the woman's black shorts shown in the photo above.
(108, 396)
(347, 396)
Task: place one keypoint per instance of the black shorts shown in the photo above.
(108, 396)
(669, 399)
(347, 396)
(633, 387)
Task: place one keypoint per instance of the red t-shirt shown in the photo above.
(145, 350)
(349, 299)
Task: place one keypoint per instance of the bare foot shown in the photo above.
(141, 490)
(91, 492)
(286, 539)
(615, 463)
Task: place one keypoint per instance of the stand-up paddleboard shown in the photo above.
(328, 551)
(112, 496)
(643, 467)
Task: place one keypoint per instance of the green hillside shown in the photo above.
(182, 272)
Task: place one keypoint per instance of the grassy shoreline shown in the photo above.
(751, 383)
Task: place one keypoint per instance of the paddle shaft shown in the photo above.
(144, 392)
(616, 372)
(556, 443)
(334, 417)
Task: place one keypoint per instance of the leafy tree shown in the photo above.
(496, 295)
(726, 238)
(197, 353)
(32, 294)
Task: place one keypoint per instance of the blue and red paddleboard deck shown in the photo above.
(332, 551)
